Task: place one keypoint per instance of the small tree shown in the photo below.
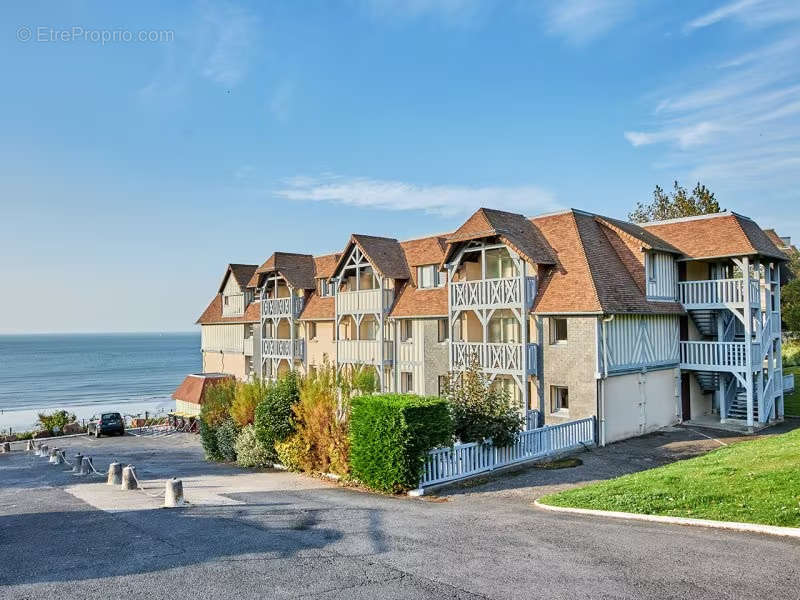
(56, 420)
(246, 398)
(481, 411)
(790, 305)
(217, 402)
(274, 420)
(675, 204)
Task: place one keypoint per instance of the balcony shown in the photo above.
(487, 293)
(717, 293)
(363, 352)
(504, 358)
(290, 306)
(717, 356)
(233, 305)
(364, 302)
(273, 348)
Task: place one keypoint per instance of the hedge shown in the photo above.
(390, 435)
(274, 420)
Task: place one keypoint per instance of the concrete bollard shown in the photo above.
(30, 446)
(128, 478)
(44, 450)
(114, 474)
(6, 447)
(173, 496)
(76, 466)
(86, 463)
(53, 454)
(56, 458)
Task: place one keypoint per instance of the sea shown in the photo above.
(87, 374)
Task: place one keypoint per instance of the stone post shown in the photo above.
(173, 496)
(76, 467)
(6, 447)
(86, 465)
(114, 474)
(128, 478)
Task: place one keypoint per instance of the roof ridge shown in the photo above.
(586, 259)
(723, 213)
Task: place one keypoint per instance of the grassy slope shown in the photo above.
(755, 481)
(791, 402)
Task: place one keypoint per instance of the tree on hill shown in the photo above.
(675, 204)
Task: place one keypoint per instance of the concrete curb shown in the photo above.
(730, 525)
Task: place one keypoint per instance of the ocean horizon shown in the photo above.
(87, 373)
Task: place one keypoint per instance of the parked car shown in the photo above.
(107, 423)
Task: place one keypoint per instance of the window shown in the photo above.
(325, 288)
(225, 300)
(559, 399)
(428, 276)
(406, 382)
(406, 330)
(651, 267)
(558, 330)
(442, 380)
(444, 333)
(312, 330)
(499, 264)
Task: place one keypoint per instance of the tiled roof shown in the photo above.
(241, 273)
(324, 265)
(513, 229)
(412, 301)
(384, 254)
(590, 276)
(212, 315)
(317, 308)
(297, 269)
(193, 388)
(717, 235)
(650, 241)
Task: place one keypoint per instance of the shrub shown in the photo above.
(322, 423)
(292, 453)
(55, 421)
(790, 352)
(390, 435)
(481, 411)
(227, 432)
(249, 452)
(245, 400)
(274, 420)
(208, 438)
(217, 402)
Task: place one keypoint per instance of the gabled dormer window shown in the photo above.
(325, 288)
(428, 276)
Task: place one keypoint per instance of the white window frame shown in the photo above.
(312, 330)
(406, 330)
(554, 330)
(406, 382)
(443, 325)
(556, 406)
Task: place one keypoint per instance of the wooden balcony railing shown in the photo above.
(716, 293)
(290, 306)
(488, 292)
(495, 357)
(275, 348)
(716, 356)
(364, 302)
(363, 352)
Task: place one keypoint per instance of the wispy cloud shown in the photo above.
(216, 44)
(581, 21)
(455, 13)
(751, 12)
(736, 121)
(399, 195)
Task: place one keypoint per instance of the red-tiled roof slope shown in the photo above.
(297, 269)
(193, 388)
(241, 273)
(590, 276)
(317, 308)
(412, 301)
(324, 265)
(212, 315)
(384, 254)
(513, 229)
(715, 236)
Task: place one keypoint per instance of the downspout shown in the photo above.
(602, 426)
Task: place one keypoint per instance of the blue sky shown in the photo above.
(132, 172)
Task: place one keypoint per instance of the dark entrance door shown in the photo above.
(685, 400)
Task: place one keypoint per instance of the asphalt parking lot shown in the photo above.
(248, 534)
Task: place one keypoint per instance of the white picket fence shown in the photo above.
(459, 461)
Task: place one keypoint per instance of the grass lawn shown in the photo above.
(791, 402)
(755, 481)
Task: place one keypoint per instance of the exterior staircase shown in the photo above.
(738, 406)
(705, 320)
(708, 380)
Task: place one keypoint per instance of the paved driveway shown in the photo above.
(280, 535)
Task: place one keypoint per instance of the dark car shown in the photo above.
(107, 423)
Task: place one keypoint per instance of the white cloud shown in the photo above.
(684, 137)
(398, 195)
(581, 21)
(229, 33)
(751, 12)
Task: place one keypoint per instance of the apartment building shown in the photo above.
(229, 331)
(573, 314)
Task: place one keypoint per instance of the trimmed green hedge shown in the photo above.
(390, 435)
(274, 420)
